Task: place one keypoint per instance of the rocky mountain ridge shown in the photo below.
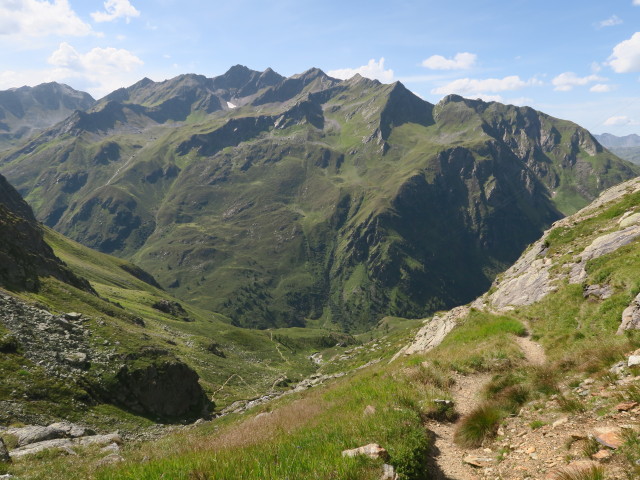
(27, 110)
(308, 200)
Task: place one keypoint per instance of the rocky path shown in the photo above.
(447, 458)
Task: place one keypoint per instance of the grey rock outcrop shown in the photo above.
(65, 444)
(630, 316)
(34, 433)
(434, 331)
(527, 281)
(59, 344)
(601, 292)
(601, 246)
(148, 382)
(532, 277)
(153, 383)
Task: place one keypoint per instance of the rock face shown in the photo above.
(158, 385)
(535, 274)
(435, 330)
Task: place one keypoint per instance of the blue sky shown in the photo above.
(578, 60)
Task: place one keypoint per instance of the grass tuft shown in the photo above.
(477, 427)
(595, 472)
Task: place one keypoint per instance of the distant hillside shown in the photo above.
(610, 140)
(309, 201)
(27, 110)
(627, 147)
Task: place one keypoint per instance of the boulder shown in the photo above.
(34, 433)
(633, 360)
(630, 316)
(601, 292)
(609, 436)
(157, 384)
(56, 444)
(388, 472)
(71, 429)
(65, 444)
(626, 406)
(372, 450)
(369, 410)
(479, 462)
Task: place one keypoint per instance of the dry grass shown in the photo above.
(261, 427)
(592, 472)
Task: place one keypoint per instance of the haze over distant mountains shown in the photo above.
(308, 200)
(26, 110)
(627, 147)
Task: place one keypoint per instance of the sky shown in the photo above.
(573, 59)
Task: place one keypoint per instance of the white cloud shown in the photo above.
(567, 80)
(374, 70)
(472, 86)
(612, 21)
(620, 120)
(461, 61)
(601, 88)
(101, 69)
(626, 55)
(636, 2)
(115, 9)
(36, 18)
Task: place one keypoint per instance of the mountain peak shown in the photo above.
(311, 74)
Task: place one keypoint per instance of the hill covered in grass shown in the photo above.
(88, 337)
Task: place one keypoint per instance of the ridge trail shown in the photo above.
(445, 462)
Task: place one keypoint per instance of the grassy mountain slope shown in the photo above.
(128, 329)
(307, 200)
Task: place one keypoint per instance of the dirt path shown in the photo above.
(533, 352)
(446, 457)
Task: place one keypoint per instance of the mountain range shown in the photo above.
(627, 147)
(27, 110)
(309, 201)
